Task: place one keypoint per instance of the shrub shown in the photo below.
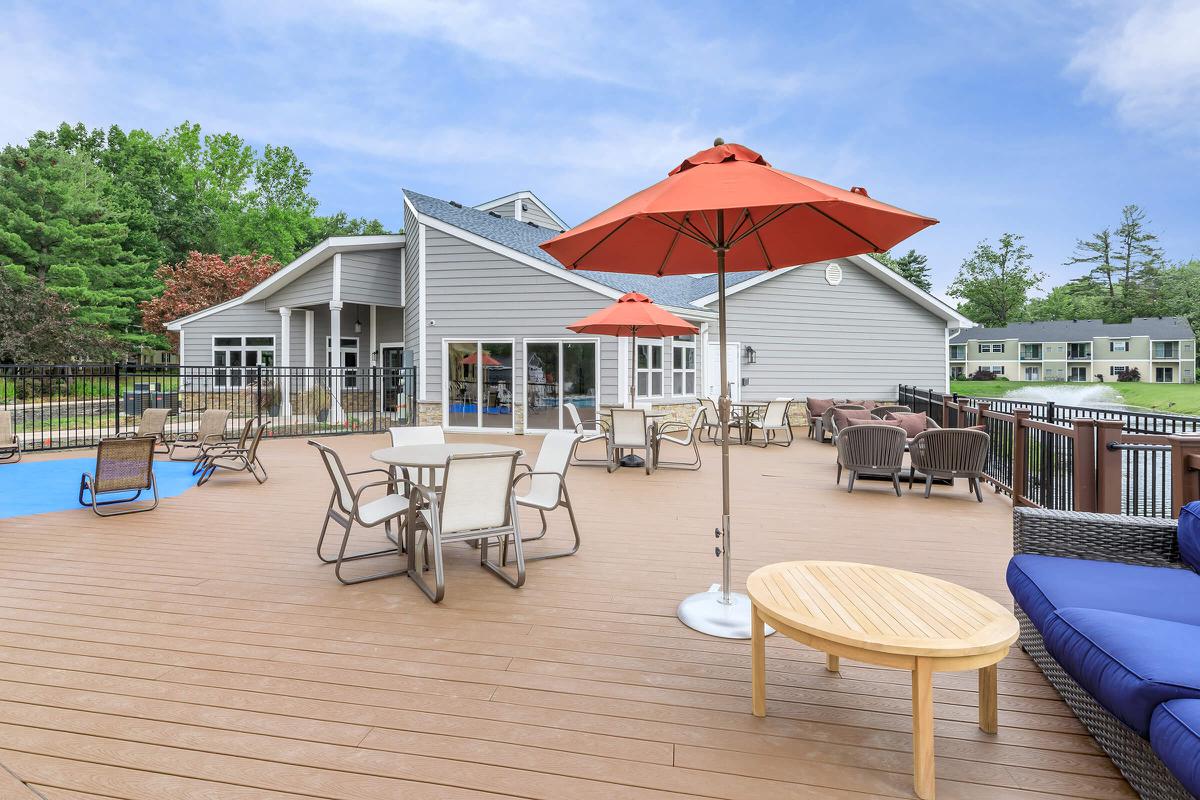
(1130, 375)
(983, 375)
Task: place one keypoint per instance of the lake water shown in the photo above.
(1095, 395)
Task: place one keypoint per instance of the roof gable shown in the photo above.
(528, 197)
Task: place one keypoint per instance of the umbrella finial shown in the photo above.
(717, 142)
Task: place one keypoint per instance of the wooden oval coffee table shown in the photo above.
(888, 617)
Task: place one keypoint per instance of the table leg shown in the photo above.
(832, 663)
(758, 663)
(988, 711)
(922, 722)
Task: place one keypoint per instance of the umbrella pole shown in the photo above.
(721, 613)
(633, 367)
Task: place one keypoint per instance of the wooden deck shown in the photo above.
(201, 651)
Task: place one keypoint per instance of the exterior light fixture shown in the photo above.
(357, 324)
(749, 356)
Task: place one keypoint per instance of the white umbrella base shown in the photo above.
(705, 612)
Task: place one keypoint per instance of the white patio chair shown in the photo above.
(547, 480)
(682, 434)
(414, 435)
(773, 421)
(596, 432)
(629, 432)
(347, 506)
(10, 442)
(712, 419)
(477, 505)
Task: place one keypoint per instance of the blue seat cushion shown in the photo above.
(1129, 664)
(1175, 737)
(1043, 584)
(1188, 534)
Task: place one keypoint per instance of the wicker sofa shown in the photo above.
(1109, 608)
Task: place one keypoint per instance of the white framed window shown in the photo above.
(991, 347)
(958, 352)
(995, 370)
(347, 359)
(1116, 370)
(649, 374)
(683, 366)
(1078, 375)
(1119, 346)
(235, 356)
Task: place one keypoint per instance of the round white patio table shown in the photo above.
(432, 456)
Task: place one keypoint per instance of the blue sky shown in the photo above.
(1037, 118)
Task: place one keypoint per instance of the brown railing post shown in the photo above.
(1108, 466)
(1020, 442)
(1185, 470)
(1085, 463)
(984, 406)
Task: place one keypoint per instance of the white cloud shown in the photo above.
(1147, 63)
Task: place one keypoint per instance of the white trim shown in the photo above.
(872, 267)
(176, 324)
(372, 342)
(212, 355)
(571, 276)
(479, 342)
(521, 195)
(661, 344)
(337, 279)
(560, 341)
(182, 351)
(518, 209)
(285, 336)
(949, 375)
(308, 337)
(422, 372)
(669, 366)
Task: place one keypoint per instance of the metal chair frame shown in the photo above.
(692, 440)
(615, 450)
(712, 420)
(214, 447)
(426, 512)
(92, 484)
(245, 459)
(563, 500)
(347, 517)
(598, 432)
(194, 442)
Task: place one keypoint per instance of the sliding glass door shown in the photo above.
(478, 385)
(557, 373)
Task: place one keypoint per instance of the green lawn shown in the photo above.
(1174, 398)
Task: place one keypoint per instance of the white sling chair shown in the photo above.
(410, 435)
(684, 435)
(774, 421)
(629, 432)
(477, 504)
(547, 480)
(597, 431)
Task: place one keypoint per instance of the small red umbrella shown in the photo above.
(726, 208)
(634, 313)
(488, 360)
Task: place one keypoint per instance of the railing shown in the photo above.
(58, 406)
(1075, 457)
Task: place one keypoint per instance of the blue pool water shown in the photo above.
(36, 487)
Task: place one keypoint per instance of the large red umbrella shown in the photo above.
(634, 313)
(726, 208)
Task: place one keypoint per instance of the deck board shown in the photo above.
(202, 651)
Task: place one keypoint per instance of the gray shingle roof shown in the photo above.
(671, 290)
(1077, 330)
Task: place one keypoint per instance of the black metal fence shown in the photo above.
(1050, 454)
(58, 406)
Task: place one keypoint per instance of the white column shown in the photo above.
(308, 338)
(374, 340)
(285, 361)
(335, 359)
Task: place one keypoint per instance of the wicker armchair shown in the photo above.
(871, 450)
(10, 442)
(882, 411)
(122, 466)
(1100, 537)
(949, 453)
(153, 424)
(827, 425)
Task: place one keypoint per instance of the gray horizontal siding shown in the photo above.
(412, 320)
(373, 276)
(534, 214)
(248, 319)
(312, 288)
(507, 210)
(858, 339)
(473, 293)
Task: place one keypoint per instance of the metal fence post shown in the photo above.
(1185, 470)
(1019, 448)
(1046, 477)
(1108, 466)
(116, 396)
(1085, 463)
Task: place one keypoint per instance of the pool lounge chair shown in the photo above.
(153, 423)
(10, 442)
(191, 446)
(236, 459)
(122, 466)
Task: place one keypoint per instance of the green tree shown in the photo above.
(912, 265)
(1082, 298)
(995, 282)
(41, 328)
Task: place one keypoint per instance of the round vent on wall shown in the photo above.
(833, 274)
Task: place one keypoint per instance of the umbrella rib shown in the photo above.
(603, 239)
(676, 226)
(771, 217)
(874, 247)
(733, 234)
(763, 247)
(667, 255)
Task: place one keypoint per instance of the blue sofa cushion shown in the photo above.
(1129, 664)
(1043, 584)
(1189, 534)
(1175, 737)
